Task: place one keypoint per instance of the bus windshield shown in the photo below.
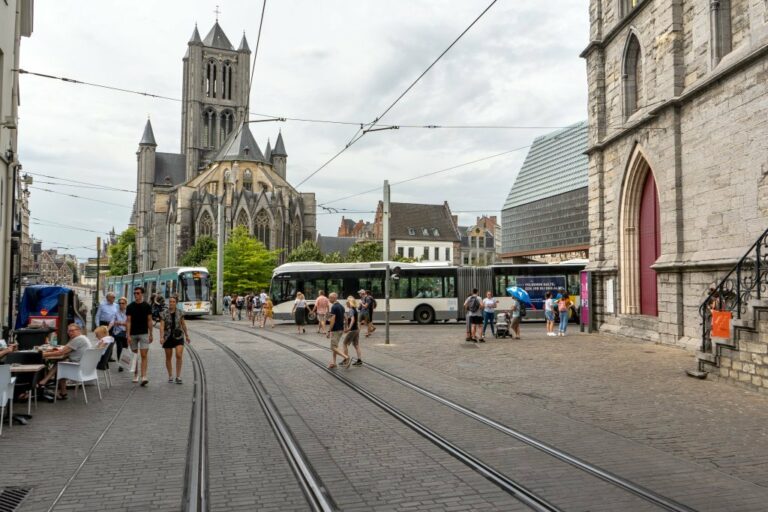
(195, 286)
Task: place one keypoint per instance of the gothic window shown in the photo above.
(721, 39)
(226, 81)
(213, 187)
(227, 121)
(210, 79)
(628, 5)
(248, 180)
(209, 128)
(242, 219)
(261, 227)
(633, 76)
(206, 225)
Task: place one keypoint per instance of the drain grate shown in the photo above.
(11, 498)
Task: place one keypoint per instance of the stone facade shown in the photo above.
(674, 96)
(220, 166)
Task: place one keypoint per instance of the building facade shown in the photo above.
(678, 172)
(16, 21)
(481, 243)
(220, 166)
(545, 216)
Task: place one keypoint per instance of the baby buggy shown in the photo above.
(503, 324)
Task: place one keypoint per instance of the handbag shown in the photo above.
(721, 324)
(127, 360)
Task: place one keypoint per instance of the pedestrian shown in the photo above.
(117, 328)
(321, 310)
(516, 310)
(233, 306)
(549, 313)
(107, 309)
(267, 314)
(336, 323)
(299, 312)
(249, 307)
(366, 312)
(489, 312)
(139, 328)
(173, 333)
(563, 309)
(240, 303)
(473, 306)
(352, 330)
(158, 306)
(226, 301)
(256, 312)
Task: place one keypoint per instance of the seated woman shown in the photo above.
(72, 351)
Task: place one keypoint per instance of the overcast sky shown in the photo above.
(334, 59)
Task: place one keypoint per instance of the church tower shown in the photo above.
(146, 160)
(215, 95)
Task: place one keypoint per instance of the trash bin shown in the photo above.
(29, 338)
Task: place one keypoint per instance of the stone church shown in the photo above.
(220, 166)
(678, 158)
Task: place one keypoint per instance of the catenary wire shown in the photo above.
(76, 185)
(106, 187)
(79, 197)
(45, 223)
(361, 131)
(256, 52)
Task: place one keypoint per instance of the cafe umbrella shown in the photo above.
(519, 294)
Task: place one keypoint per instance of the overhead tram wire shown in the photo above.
(79, 197)
(105, 187)
(363, 129)
(77, 185)
(45, 223)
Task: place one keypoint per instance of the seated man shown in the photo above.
(72, 351)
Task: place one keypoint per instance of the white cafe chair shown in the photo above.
(80, 373)
(7, 383)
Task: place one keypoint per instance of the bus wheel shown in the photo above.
(424, 315)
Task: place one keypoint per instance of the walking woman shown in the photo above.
(173, 332)
(563, 309)
(117, 328)
(549, 313)
(300, 312)
(267, 315)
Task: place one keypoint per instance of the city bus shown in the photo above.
(423, 292)
(192, 285)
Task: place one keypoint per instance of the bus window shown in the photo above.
(337, 286)
(427, 287)
(449, 285)
(374, 285)
(400, 288)
(501, 286)
(194, 286)
(574, 284)
(173, 287)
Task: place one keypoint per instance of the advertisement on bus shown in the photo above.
(537, 286)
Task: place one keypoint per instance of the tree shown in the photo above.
(118, 254)
(365, 251)
(403, 259)
(307, 251)
(333, 257)
(248, 265)
(203, 251)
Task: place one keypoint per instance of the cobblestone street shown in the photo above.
(624, 406)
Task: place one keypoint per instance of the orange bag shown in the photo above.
(721, 324)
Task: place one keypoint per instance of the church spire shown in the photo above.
(195, 39)
(244, 45)
(148, 139)
(268, 152)
(216, 38)
(279, 146)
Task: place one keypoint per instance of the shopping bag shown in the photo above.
(721, 324)
(126, 359)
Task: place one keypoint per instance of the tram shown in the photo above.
(192, 285)
(425, 292)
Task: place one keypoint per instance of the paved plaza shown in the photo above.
(624, 406)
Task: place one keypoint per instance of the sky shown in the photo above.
(332, 60)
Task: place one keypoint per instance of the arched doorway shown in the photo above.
(640, 239)
(649, 246)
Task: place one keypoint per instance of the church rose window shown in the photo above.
(206, 225)
(261, 227)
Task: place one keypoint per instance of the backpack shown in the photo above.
(239, 302)
(374, 304)
(474, 304)
(257, 302)
(562, 306)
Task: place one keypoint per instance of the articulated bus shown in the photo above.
(424, 292)
(191, 284)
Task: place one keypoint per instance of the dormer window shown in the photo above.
(425, 231)
(412, 231)
(435, 232)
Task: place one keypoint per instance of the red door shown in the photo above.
(650, 247)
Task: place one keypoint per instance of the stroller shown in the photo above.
(503, 324)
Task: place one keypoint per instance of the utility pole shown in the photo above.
(220, 253)
(98, 276)
(385, 254)
(130, 259)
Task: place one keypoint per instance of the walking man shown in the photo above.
(336, 322)
(366, 312)
(352, 330)
(473, 306)
(139, 328)
(107, 310)
(322, 304)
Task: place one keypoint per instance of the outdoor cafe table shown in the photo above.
(28, 368)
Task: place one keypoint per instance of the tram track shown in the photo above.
(313, 489)
(195, 495)
(656, 499)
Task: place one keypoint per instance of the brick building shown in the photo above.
(678, 172)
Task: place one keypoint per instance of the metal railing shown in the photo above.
(746, 281)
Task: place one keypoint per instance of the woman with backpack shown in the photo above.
(474, 309)
(563, 309)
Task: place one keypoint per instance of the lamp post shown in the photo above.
(228, 179)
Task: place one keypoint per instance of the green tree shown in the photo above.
(403, 259)
(203, 251)
(333, 257)
(307, 251)
(365, 251)
(118, 254)
(248, 265)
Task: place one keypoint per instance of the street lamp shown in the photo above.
(228, 179)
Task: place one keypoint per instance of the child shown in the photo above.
(549, 313)
(105, 340)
